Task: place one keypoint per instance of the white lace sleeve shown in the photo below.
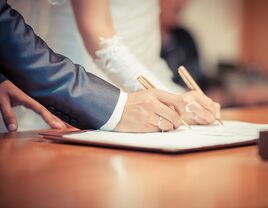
(122, 67)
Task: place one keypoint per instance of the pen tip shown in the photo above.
(221, 122)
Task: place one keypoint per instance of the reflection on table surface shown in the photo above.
(39, 173)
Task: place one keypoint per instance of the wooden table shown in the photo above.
(38, 173)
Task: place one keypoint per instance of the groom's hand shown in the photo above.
(149, 111)
(11, 96)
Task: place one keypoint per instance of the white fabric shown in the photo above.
(136, 21)
(117, 114)
(122, 67)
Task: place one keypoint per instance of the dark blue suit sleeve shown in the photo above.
(2, 78)
(75, 96)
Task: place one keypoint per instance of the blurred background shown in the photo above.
(223, 43)
(224, 39)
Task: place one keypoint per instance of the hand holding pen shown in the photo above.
(195, 107)
(148, 85)
(192, 85)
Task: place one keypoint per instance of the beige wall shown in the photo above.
(216, 26)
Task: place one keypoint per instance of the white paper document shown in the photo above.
(232, 133)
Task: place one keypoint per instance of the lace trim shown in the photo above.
(122, 67)
(56, 2)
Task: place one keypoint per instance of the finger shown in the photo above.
(55, 119)
(199, 120)
(161, 123)
(144, 128)
(204, 116)
(148, 128)
(48, 117)
(8, 115)
(193, 119)
(170, 100)
(70, 127)
(207, 103)
(168, 113)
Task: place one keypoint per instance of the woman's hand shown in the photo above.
(199, 109)
(11, 96)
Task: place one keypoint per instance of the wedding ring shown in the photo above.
(188, 106)
(159, 122)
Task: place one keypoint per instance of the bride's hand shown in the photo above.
(199, 109)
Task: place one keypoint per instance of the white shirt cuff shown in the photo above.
(117, 114)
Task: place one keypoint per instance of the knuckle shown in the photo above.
(141, 114)
(146, 116)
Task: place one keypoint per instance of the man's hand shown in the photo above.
(11, 96)
(155, 110)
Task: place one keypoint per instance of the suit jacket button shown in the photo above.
(66, 118)
(58, 113)
(73, 121)
(51, 109)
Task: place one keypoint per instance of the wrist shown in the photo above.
(117, 113)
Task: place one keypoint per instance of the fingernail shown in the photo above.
(12, 127)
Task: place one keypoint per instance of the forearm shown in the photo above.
(94, 20)
(123, 67)
(2, 78)
(77, 97)
(110, 53)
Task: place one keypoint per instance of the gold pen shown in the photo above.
(190, 83)
(148, 85)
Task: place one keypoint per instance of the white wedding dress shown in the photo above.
(135, 21)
